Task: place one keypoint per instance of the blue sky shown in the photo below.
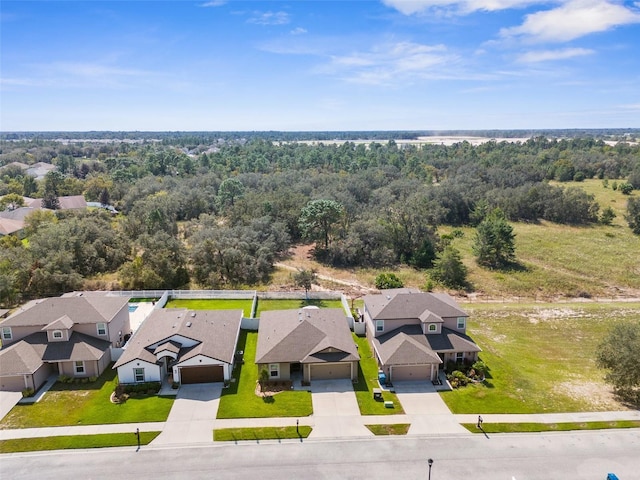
(319, 65)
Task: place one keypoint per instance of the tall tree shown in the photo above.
(319, 218)
(494, 245)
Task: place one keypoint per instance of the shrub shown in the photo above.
(625, 188)
(388, 280)
(93, 378)
(480, 368)
(64, 379)
(27, 392)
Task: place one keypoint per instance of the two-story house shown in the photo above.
(69, 336)
(414, 333)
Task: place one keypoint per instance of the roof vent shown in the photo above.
(188, 324)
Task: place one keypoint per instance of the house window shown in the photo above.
(79, 367)
(459, 357)
(102, 329)
(6, 333)
(274, 370)
(461, 323)
(57, 334)
(379, 325)
(433, 327)
(138, 374)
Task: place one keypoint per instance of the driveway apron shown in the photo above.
(8, 400)
(335, 410)
(427, 411)
(192, 416)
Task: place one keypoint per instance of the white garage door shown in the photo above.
(328, 371)
(411, 372)
(12, 384)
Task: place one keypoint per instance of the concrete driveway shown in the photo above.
(427, 412)
(8, 400)
(192, 416)
(335, 410)
(420, 398)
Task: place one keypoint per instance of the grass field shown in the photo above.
(260, 433)
(548, 427)
(541, 357)
(392, 429)
(87, 404)
(239, 400)
(286, 304)
(556, 261)
(212, 304)
(75, 441)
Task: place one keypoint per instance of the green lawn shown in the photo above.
(75, 441)
(240, 401)
(289, 304)
(392, 429)
(548, 427)
(87, 404)
(368, 380)
(262, 433)
(213, 304)
(541, 357)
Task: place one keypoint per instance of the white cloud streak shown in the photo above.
(214, 3)
(553, 55)
(411, 7)
(269, 18)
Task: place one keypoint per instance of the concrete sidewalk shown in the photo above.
(81, 430)
(577, 417)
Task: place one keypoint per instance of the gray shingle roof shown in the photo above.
(305, 335)
(80, 309)
(399, 304)
(407, 345)
(62, 323)
(215, 331)
(28, 354)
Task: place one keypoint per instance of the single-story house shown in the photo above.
(316, 341)
(195, 346)
(70, 336)
(414, 333)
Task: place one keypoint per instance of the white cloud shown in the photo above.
(298, 31)
(550, 55)
(410, 7)
(392, 63)
(269, 18)
(214, 3)
(572, 20)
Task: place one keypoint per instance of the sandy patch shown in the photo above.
(600, 396)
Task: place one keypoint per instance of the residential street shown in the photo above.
(575, 456)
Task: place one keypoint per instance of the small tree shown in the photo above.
(619, 354)
(633, 215)
(318, 218)
(625, 188)
(607, 216)
(388, 280)
(494, 245)
(449, 270)
(264, 377)
(304, 279)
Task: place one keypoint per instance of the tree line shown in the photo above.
(217, 212)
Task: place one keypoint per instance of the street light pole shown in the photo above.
(430, 462)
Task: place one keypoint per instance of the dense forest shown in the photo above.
(216, 210)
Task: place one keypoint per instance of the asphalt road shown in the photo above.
(574, 456)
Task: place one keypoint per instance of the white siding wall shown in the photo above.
(151, 372)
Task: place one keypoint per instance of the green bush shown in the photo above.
(93, 379)
(388, 280)
(27, 392)
(64, 379)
